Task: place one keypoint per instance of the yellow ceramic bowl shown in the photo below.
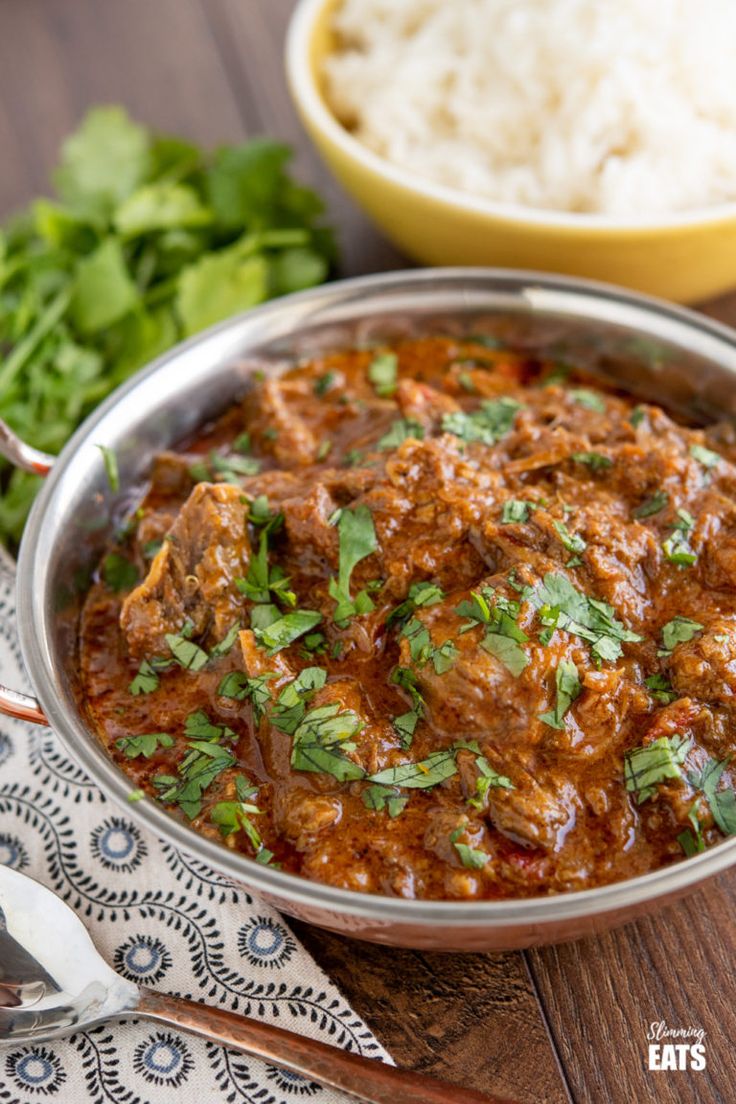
(687, 257)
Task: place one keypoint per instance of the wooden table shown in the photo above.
(549, 1025)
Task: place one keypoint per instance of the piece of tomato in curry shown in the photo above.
(433, 620)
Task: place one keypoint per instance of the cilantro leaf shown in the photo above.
(678, 631)
(516, 510)
(652, 505)
(561, 606)
(705, 456)
(357, 540)
(569, 688)
(421, 775)
(469, 856)
(382, 373)
(186, 653)
(146, 681)
(145, 745)
(322, 739)
(488, 424)
(118, 572)
(645, 767)
(591, 400)
(238, 686)
(596, 461)
(110, 461)
(386, 798)
(401, 430)
(722, 802)
(285, 630)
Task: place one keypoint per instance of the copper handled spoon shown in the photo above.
(54, 982)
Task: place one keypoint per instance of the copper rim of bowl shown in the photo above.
(544, 913)
(305, 89)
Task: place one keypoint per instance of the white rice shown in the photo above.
(622, 107)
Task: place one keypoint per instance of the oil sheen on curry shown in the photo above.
(432, 620)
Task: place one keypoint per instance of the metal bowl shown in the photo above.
(658, 351)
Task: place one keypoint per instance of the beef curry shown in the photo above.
(434, 620)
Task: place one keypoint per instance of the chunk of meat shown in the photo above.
(424, 404)
(425, 512)
(537, 815)
(171, 474)
(192, 576)
(272, 408)
(307, 527)
(300, 815)
(477, 695)
(705, 667)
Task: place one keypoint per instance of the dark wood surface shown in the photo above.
(548, 1026)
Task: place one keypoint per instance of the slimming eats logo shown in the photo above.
(676, 1048)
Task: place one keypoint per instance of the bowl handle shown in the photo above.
(22, 706)
(22, 455)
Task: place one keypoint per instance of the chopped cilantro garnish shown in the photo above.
(516, 510)
(423, 650)
(118, 572)
(488, 424)
(705, 456)
(487, 779)
(386, 798)
(637, 416)
(234, 816)
(145, 745)
(722, 802)
(186, 653)
(110, 461)
(382, 373)
(645, 767)
(198, 726)
(238, 686)
(227, 642)
(561, 606)
(322, 739)
(204, 761)
(146, 681)
(469, 856)
(357, 540)
(692, 842)
(324, 383)
(678, 631)
(503, 637)
(676, 547)
(401, 430)
(596, 461)
(651, 505)
(291, 704)
(242, 443)
(569, 688)
(421, 775)
(591, 400)
(231, 467)
(660, 689)
(420, 595)
(285, 630)
(573, 542)
(263, 581)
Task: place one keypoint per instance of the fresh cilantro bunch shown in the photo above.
(148, 241)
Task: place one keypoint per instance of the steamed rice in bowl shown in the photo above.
(591, 106)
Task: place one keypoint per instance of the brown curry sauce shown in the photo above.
(600, 537)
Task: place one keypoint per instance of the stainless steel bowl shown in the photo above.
(659, 351)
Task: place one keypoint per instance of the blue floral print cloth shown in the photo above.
(161, 919)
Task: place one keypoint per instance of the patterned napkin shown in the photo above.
(160, 918)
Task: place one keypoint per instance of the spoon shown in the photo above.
(54, 982)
